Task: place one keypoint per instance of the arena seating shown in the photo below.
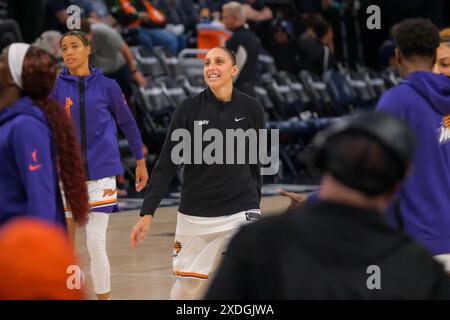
(298, 106)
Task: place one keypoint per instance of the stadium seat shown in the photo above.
(9, 33)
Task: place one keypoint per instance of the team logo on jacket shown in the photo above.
(35, 165)
(444, 130)
(176, 248)
(68, 105)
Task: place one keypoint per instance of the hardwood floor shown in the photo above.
(145, 272)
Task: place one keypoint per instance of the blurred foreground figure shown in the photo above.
(35, 257)
(339, 247)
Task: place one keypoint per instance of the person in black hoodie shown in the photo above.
(284, 49)
(245, 44)
(316, 46)
(339, 247)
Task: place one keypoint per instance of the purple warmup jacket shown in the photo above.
(28, 177)
(423, 206)
(95, 103)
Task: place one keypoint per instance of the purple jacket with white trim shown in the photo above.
(95, 103)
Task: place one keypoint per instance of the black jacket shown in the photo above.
(209, 190)
(244, 39)
(325, 251)
(315, 56)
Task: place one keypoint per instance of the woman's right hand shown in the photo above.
(140, 230)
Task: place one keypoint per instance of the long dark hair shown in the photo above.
(38, 79)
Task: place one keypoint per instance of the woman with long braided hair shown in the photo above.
(38, 146)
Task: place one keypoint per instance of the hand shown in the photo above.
(141, 175)
(145, 150)
(140, 230)
(296, 199)
(140, 79)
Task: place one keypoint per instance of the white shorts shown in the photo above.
(201, 242)
(445, 260)
(102, 196)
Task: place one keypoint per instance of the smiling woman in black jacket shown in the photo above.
(217, 196)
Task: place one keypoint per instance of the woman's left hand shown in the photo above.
(141, 175)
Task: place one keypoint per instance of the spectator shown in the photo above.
(326, 249)
(49, 41)
(246, 46)
(387, 55)
(181, 19)
(257, 11)
(148, 22)
(111, 53)
(316, 46)
(285, 48)
(259, 18)
(100, 12)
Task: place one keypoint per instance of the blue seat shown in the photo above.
(340, 91)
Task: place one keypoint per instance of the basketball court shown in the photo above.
(145, 273)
